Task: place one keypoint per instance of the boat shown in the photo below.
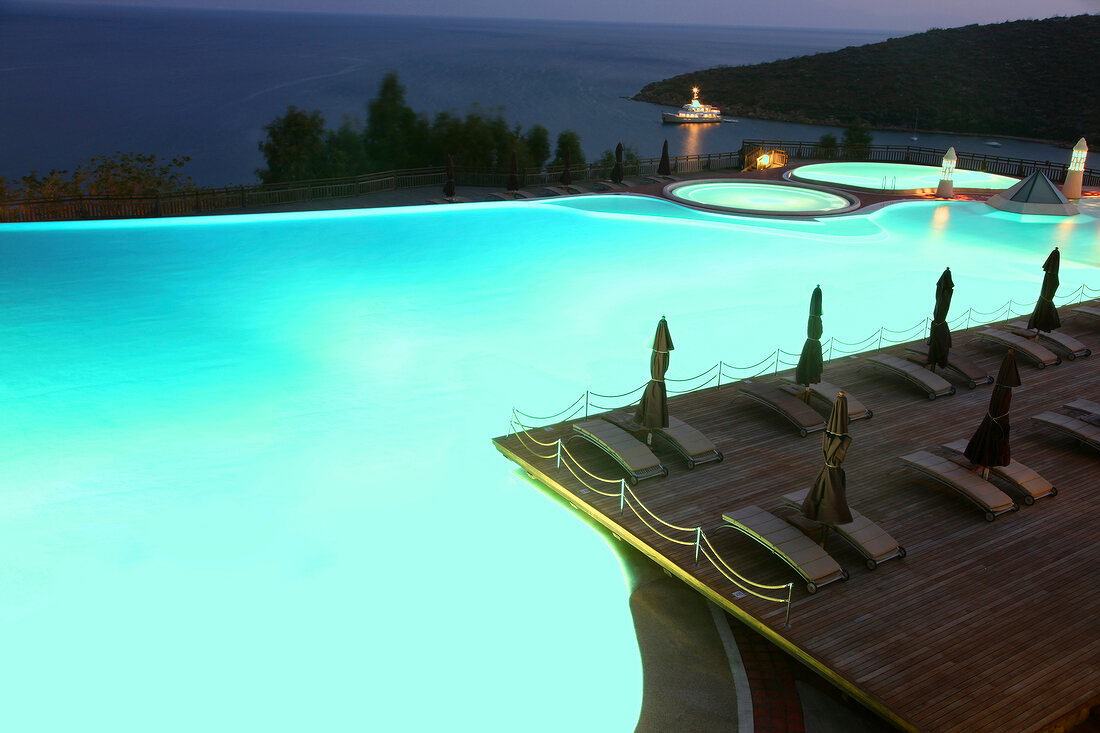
(993, 143)
(694, 111)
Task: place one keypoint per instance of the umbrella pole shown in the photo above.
(824, 535)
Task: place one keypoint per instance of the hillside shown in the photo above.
(1028, 78)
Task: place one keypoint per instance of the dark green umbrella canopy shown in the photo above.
(653, 409)
(1045, 316)
(566, 174)
(617, 171)
(827, 501)
(449, 183)
(664, 168)
(810, 364)
(939, 335)
(989, 444)
(513, 173)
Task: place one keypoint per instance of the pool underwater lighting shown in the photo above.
(946, 189)
(1071, 189)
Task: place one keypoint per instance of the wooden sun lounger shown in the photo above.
(1088, 311)
(444, 200)
(611, 185)
(987, 496)
(870, 540)
(1023, 479)
(692, 445)
(1085, 432)
(559, 190)
(636, 459)
(804, 417)
(1069, 346)
(511, 195)
(807, 559)
(827, 393)
(933, 384)
(1039, 354)
(965, 368)
(1086, 406)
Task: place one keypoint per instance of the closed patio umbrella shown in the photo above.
(566, 174)
(653, 409)
(810, 364)
(1045, 316)
(617, 171)
(449, 183)
(827, 501)
(939, 335)
(989, 444)
(513, 174)
(664, 168)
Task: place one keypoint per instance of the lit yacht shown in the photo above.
(694, 111)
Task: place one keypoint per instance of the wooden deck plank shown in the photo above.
(969, 630)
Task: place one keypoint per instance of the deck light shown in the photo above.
(763, 161)
(946, 189)
(1072, 187)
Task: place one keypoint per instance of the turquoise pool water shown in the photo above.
(248, 478)
(760, 197)
(895, 176)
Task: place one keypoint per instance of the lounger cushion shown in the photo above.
(932, 383)
(632, 452)
(792, 408)
(962, 480)
(813, 562)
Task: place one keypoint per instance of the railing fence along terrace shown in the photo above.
(917, 155)
(226, 199)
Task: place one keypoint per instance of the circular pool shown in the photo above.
(894, 176)
(772, 198)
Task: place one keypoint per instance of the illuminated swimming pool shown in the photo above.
(248, 481)
(894, 176)
(761, 197)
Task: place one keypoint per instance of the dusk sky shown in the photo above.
(853, 14)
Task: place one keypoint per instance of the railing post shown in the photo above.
(880, 337)
(586, 403)
(787, 621)
(720, 365)
(559, 453)
(698, 540)
(622, 495)
(968, 318)
(777, 352)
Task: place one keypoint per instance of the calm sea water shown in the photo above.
(80, 82)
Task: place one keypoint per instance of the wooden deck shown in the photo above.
(984, 626)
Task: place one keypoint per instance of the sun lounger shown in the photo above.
(1067, 345)
(1088, 311)
(1023, 479)
(559, 190)
(987, 496)
(933, 384)
(636, 459)
(692, 445)
(804, 417)
(511, 195)
(611, 185)
(455, 200)
(965, 368)
(1041, 355)
(1086, 406)
(1087, 433)
(815, 565)
(827, 393)
(870, 540)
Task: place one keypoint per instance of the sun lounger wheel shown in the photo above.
(972, 384)
(870, 563)
(811, 587)
(803, 432)
(1053, 491)
(901, 551)
(844, 574)
(990, 516)
(1029, 500)
(691, 463)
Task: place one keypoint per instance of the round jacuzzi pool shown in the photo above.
(894, 176)
(772, 198)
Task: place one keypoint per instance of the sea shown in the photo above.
(77, 82)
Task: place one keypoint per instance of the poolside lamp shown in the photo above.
(1071, 189)
(763, 161)
(946, 189)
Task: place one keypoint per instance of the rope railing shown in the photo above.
(832, 348)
